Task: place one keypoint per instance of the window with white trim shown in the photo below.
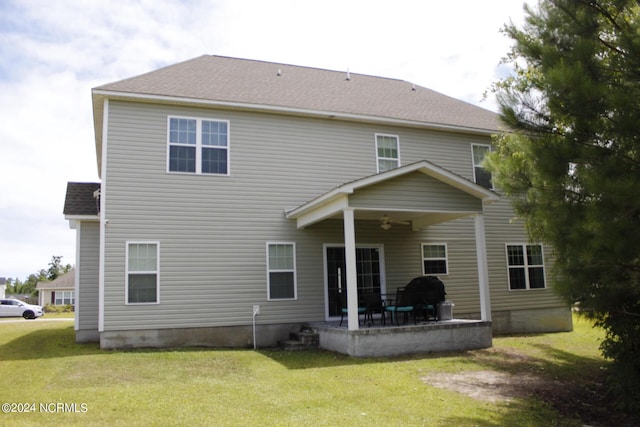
(387, 152)
(526, 266)
(64, 298)
(481, 176)
(198, 146)
(434, 258)
(143, 261)
(281, 270)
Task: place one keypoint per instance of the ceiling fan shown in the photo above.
(386, 221)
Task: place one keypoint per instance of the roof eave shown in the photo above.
(75, 220)
(101, 94)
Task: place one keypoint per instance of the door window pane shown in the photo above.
(368, 275)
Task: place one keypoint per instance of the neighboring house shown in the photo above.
(3, 286)
(60, 291)
(228, 184)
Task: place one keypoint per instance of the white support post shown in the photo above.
(350, 259)
(483, 269)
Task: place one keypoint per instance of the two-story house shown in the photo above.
(236, 191)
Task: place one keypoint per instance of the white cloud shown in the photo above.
(55, 52)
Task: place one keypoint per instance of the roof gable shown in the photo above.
(66, 281)
(415, 190)
(335, 201)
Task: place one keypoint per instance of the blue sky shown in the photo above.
(53, 52)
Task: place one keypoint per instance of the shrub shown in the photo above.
(49, 308)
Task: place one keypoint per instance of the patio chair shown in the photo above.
(342, 300)
(402, 304)
(373, 304)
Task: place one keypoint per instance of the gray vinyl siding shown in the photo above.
(89, 264)
(503, 228)
(212, 230)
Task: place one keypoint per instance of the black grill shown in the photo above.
(426, 293)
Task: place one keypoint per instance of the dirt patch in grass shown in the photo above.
(490, 386)
(583, 398)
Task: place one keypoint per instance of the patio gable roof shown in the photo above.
(419, 194)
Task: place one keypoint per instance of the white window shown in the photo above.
(198, 146)
(142, 272)
(387, 152)
(434, 258)
(481, 176)
(526, 266)
(281, 274)
(64, 298)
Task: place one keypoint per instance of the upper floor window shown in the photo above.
(387, 152)
(481, 176)
(526, 267)
(142, 272)
(198, 146)
(434, 258)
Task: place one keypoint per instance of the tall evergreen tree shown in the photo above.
(56, 269)
(571, 161)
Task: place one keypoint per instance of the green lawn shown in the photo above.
(40, 364)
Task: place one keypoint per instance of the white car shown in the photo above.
(17, 308)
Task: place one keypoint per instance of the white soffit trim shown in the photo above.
(75, 220)
(82, 217)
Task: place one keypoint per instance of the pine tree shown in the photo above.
(571, 161)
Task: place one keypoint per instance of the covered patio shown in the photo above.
(418, 195)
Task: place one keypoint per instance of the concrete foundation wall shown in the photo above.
(87, 336)
(532, 321)
(223, 337)
(460, 334)
(376, 342)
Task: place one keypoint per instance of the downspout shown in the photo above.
(76, 279)
(102, 216)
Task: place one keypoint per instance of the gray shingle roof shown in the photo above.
(80, 198)
(66, 281)
(251, 83)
